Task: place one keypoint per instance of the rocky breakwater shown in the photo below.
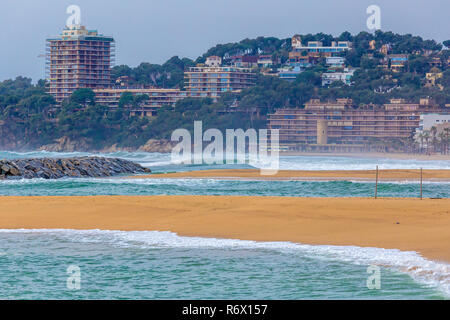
(48, 168)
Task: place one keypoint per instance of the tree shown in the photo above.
(169, 75)
(309, 77)
(442, 143)
(418, 64)
(345, 36)
(447, 140)
(139, 101)
(84, 96)
(368, 63)
(126, 100)
(434, 140)
(29, 114)
(426, 136)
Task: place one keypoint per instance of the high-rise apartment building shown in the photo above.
(78, 58)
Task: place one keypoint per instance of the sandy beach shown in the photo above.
(380, 155)
(405, 224)
(363, 175)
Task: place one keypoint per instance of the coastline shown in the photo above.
(166, 149)
(380, 155)
(327, 175)
(404, 224)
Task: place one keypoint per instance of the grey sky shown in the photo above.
(155, 30)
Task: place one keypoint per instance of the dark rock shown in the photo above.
(14, 171)
(5, 168)
(67, 167)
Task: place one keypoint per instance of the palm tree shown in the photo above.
(421, 137)
(442, 144)
(434, 140)
(426, 136)
(447, 140)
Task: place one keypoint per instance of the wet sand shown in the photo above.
(405, 224)
(364, 175)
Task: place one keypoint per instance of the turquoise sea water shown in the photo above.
(161, 163)
(162, 265)
(117, 186)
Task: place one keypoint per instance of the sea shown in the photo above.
(103, 264)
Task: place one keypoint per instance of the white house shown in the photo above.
(429, 120)
(330, 77)
(213, 61)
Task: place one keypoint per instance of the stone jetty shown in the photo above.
(50, 168)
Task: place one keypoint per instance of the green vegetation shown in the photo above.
(269, 45)
(27, 119)
(167, 75)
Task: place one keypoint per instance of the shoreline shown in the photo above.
(394, 223)
(380, 155)
(313, 175)
(368, 155)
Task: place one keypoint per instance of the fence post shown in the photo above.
(421, 183)
(376, 184)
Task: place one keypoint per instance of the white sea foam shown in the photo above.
(200, 181)
(115, 181)
(431, 273)
(401, 182)
(356, 163)
(286, 162)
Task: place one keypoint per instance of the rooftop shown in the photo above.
(79, 32)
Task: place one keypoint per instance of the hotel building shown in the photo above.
(78, 58)
(204, 81)
(341, 123)
(157, 98)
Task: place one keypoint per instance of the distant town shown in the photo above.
(376, 92)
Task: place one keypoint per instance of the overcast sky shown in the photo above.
(155, 30)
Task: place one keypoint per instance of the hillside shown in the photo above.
(29, 118)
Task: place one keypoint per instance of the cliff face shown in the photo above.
(8, 141)
(66, 144)
(162, 146)
(26, 142)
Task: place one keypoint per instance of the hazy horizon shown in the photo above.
(154, 31)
